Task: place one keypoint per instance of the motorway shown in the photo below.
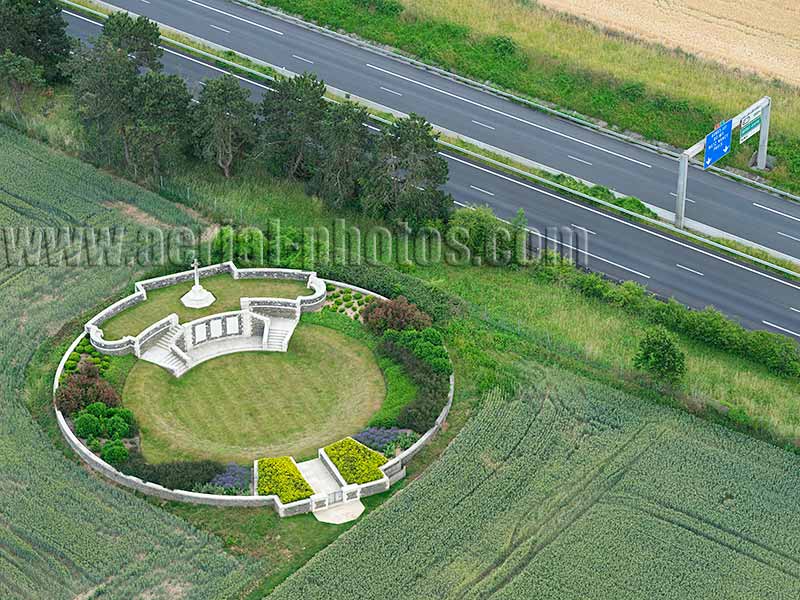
(733, 207)
(616, 247)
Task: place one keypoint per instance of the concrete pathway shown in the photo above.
(320, 479)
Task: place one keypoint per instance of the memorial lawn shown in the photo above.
(162, 302)
(249, 405)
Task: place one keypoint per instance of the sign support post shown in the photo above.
(763, 137)
(717, 144)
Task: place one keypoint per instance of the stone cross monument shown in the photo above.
(198, 296)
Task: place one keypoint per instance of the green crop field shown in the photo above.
(64, 533)
(571, 490)
(246, 406)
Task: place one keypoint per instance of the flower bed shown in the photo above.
(281, 477)
(355, 462)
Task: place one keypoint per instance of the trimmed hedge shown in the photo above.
(425, 360)
(778, 353)
(356, 462)
(281, 477)
(180, 475)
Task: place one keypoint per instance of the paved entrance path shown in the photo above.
(320, 479)
(318, 476)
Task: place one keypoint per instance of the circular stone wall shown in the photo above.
(253, 404)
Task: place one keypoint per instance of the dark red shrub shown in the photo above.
(84, 388)
(397, 314)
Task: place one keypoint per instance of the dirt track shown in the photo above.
(755, 35)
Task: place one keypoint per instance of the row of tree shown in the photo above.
(139, 119)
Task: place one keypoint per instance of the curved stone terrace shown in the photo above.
(255, 310)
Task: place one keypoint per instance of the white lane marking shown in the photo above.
(81, 17)
(571, 247)
(627, 223)
(203, 83)
(475, 187)
(238, 18)
(483, 124)
(220, 29)
(674, 195)
(580, 160)
(789, 331)
(680, 266)
(777, 212)
(146, 1)
(372, 127)
(385, 89)
(791, 237)
(583, 228)
(510, 116)
(311, 62)
(213, 68)
(797, 310)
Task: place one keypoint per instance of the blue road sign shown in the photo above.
(718, 144)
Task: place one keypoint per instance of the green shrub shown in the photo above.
(114, 453)
(116, 427)
(281, 477)
(356, 462)
(98, 409)
(94, 445)
(400, 392)
(70, 366)
(87, 425)
(74, 357)
(659, 355)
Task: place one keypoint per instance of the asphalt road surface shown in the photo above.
(713, 200)
(616, 247)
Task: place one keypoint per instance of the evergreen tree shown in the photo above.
(36, 30)
(225, 121)
(404, 184)
(139, 38)
(19, 75)
(292, 119)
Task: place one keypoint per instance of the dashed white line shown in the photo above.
(797, 310)
(791, 237)
(779, 328)
(372, 127)
(385, 89)
(680, 266)
(569, 246)
(213, 68)
(146, 1)
(474, 187)
(220, 29)
(510, 116)
(238, 18)
(311, 62)
(483, 124)
(580, 160)
(777, 212)
(674, 195)
(583, 228)
(625, 223)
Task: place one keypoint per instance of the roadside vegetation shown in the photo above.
(661, 94)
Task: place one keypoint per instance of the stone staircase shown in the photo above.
(280, 330)
(161, 353)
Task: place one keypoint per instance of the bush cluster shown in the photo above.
(83, 388)
(100, 421)
(404, 441)
(281, 477)
(344, 300)
(776, 352)
(179, 475)
(356, 462)
(660, 355)
(440, 305)
(86, 352)
(114, 452)
(425, 359)
(398, 314)
(378, 437)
